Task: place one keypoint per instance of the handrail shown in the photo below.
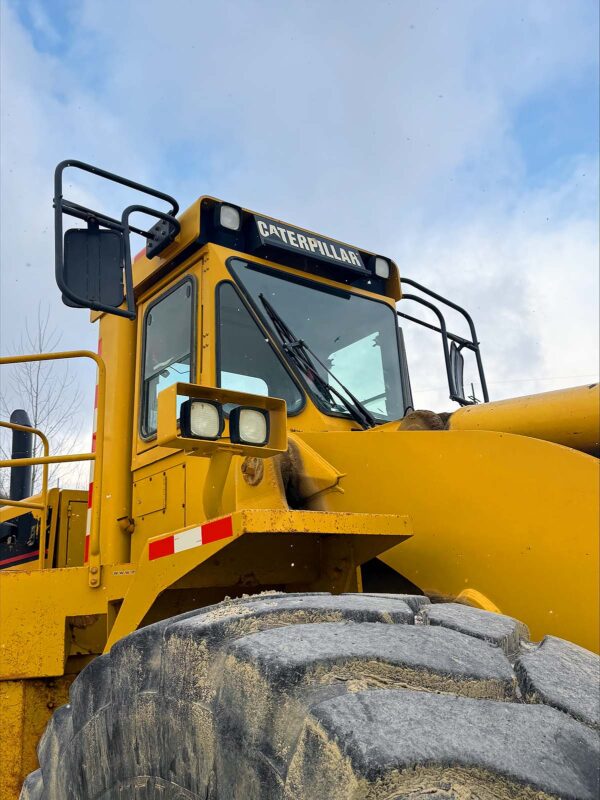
(28, 462)
(444, 332)
(472, 345)
(97, 456)
(43, 506)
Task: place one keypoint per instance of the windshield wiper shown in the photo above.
(301, 354)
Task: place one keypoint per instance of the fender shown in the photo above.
(511, 518)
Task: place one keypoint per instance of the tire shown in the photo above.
(320, 697)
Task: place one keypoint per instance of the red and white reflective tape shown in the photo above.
(88, 523)
(193, 537)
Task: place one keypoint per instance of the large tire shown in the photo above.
(326, 697)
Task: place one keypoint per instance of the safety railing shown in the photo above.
(459, 342)
(46, 459)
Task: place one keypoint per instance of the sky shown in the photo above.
(460, 138)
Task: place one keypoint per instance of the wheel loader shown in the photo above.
(285, 581)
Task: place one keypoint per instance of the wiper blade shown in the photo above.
(301, 355)
(296, 349)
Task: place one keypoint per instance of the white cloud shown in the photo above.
(529, 277)
(357, 121)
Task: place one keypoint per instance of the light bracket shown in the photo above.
(170, 434)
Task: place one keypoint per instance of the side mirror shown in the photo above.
(457, 368)
(93, 267)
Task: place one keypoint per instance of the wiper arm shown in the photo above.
(295, 348)
(301, 354)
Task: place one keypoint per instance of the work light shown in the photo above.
(201, 419)
(382, 267)
(230, 217)
(249, 425)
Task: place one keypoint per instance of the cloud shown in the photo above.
(392, 128)
(529, 277)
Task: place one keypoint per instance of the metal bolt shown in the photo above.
(94, 570)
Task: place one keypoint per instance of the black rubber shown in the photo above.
(320, 697)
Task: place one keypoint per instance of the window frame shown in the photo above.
(191, 279)
(335, 290)
(267, 334)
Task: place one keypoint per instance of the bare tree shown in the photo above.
(49, 394)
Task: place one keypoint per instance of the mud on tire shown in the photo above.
(316, 697)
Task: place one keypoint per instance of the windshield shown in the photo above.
(354, 336)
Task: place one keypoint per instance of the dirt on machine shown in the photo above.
(286, 582)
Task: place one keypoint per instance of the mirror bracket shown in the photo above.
(161, 235)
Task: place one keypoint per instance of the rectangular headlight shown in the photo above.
(382, 267)
(249, 426)
(201, 419)
(230, 217)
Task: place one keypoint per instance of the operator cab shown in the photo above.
(296, 316)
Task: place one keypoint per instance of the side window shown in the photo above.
(247, 362)
(168, 348)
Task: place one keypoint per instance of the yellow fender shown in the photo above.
(505, 521)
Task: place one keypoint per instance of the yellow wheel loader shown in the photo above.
(284, 581)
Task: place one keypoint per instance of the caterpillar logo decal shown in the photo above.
(273, 233)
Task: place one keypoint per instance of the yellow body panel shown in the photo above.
(41, 609)
(272, 538)
(568, 416)
(25, 708)
(514, 518)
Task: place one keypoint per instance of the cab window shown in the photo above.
(353, 336)
(247, 361)
(168, 348)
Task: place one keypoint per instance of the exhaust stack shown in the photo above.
(21, 478)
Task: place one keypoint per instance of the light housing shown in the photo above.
(201, 419)
(249, 425)
(169, 431)
(230, 217)
(382, 267)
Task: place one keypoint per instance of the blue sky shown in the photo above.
(556, 124)
(461, 138)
